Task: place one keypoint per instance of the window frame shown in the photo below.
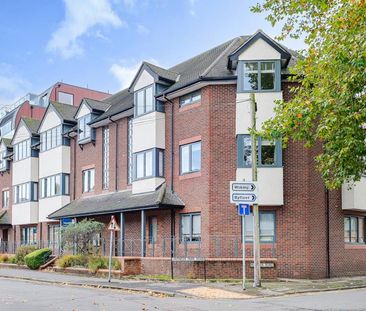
(359, 218)
(49, 182)
(86, 128)
(240, 152)
(136, 94)
(65, 93)
(260, 236)
(28, 189)
(3, 197)
(22, 150)
(157, 158)
(190, 96)
(51, 138)
(190, 154)
(89, 180)
(190, 215)
(277, 76)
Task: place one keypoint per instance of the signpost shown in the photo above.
(242, 193)
(112, 227)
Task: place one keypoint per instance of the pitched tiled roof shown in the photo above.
(65, 111)
(119, 102)
(162, 72)
(32, 124)
(97, 104)
(208, 65)
(4, 218)
(118, 202)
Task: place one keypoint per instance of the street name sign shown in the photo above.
(243, 192)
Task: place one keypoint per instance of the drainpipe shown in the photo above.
(116, 159)
(327, 216)
(172, 216)
(74, 185)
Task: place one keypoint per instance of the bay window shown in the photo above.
(55, 185)
(144, 101)
(22, 150)
(148, 163)
(354, 229)
(84, 128)
(259, 76)
(25, 192)
(51, 138)
(269, 154)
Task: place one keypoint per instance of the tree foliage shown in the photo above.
(82, 235)
(329, 105)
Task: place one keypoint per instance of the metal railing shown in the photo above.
(213, 247)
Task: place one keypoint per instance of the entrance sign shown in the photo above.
(243, 192)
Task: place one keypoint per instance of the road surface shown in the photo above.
(28, 295)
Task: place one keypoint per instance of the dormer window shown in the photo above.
(84, 128)
(259, 76)
(144, 101)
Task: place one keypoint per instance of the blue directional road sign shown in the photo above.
(244, 209)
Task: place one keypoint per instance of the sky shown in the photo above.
(100, 43)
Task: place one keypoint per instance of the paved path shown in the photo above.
(29, 295)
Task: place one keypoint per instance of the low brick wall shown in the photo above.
(210, 268)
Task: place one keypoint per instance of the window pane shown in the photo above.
(67, 184)
(149, 99)
(184, 158)
(58, 184)
(66, 98)
(361, 230)
(267, 227)
(92, 180)
(196, 227)
(267, 81)
(196, 156)
(153, 229)
(53, 138)
(268, 153)
(48, 140)
(149, 163)
(139, 165)
(140, 103)
(58, 136)
(247, 150)
(354, 229)
(161, 163)
(85, 181)
(186, 228)
(251, 76)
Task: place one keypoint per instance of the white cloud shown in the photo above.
(141, 29)
(12, 85)
(80, 17)
(124, 72)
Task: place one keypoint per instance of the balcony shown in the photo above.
(354, 197)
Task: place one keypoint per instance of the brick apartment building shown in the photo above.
(159, 157)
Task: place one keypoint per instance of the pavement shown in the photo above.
(183, 288)
(18, 294)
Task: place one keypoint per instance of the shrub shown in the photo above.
(72, 261)
(96, 262)
(81, 235)
(37, 258)
(21, 252)
(12, 260)
(4, 258)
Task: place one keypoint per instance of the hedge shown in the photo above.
(37, 258)
(21, 252)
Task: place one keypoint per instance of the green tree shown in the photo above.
(329, 104)
(81, 236)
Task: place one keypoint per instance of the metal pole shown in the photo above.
(256, 245)
(122, 235)
(110, 255)
(243, 246)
